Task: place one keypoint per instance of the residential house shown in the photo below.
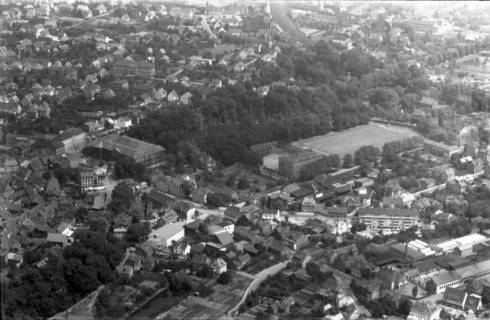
(185, 99)
(455, 296)
(173, 96)
(57, 239)
(219, 266)
(233, 214)
(182, 249)
(14, 259)
(224, 238)
(424, 311)
(227, 226)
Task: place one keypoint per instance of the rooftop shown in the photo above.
(125, 143)
(388, 212)
(167, 230)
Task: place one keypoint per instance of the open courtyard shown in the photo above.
(348, 141)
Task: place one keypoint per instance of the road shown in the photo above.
(280, 10)
(258, 278)
(91, 19)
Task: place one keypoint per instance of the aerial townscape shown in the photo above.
(229, 159)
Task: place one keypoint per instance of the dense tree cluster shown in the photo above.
(392, 149)
(66, 278)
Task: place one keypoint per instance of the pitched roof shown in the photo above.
(455, 295)
(224, 238)
(70, 133)
(56, 238)
(125, 144)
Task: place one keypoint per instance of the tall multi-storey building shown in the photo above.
(290, 165)
(148, 154)
(388, 220)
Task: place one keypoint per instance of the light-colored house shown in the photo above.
(186, 98)
(173, 96)
(163, 237)
(219, 266)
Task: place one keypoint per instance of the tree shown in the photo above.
(431, 287)
(126, 168)
(186, 188)
(348, 161)
(470, 287)
(225, 277)
(122, 197)
(390, 153)
(415, 291)
(404, 306)
(243, 184)
(137, 232)
(215, 200)
(204, 290)
(485, 295)
(357, 226)
(80, 277)
(206, 272)
(230, 181)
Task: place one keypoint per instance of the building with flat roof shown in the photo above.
(462, 242)
(290, 165)
(440, 149)
(388, 220)
(148, 154)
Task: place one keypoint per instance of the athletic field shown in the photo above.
(348, 141)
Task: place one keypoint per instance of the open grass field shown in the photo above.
(348, 141)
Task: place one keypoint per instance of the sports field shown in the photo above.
(348, 141)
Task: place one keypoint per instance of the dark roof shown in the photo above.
(303, 192)
(56, 238)
(233, 213)
(69, 133)
(157, 196)
(224, 238)
(455, 295)
(337, 210)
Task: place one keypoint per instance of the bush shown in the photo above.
(225, 277)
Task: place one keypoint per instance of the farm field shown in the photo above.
(350, 140)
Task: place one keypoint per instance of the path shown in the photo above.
(145, 302)
(258, 278)
(91, 19)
